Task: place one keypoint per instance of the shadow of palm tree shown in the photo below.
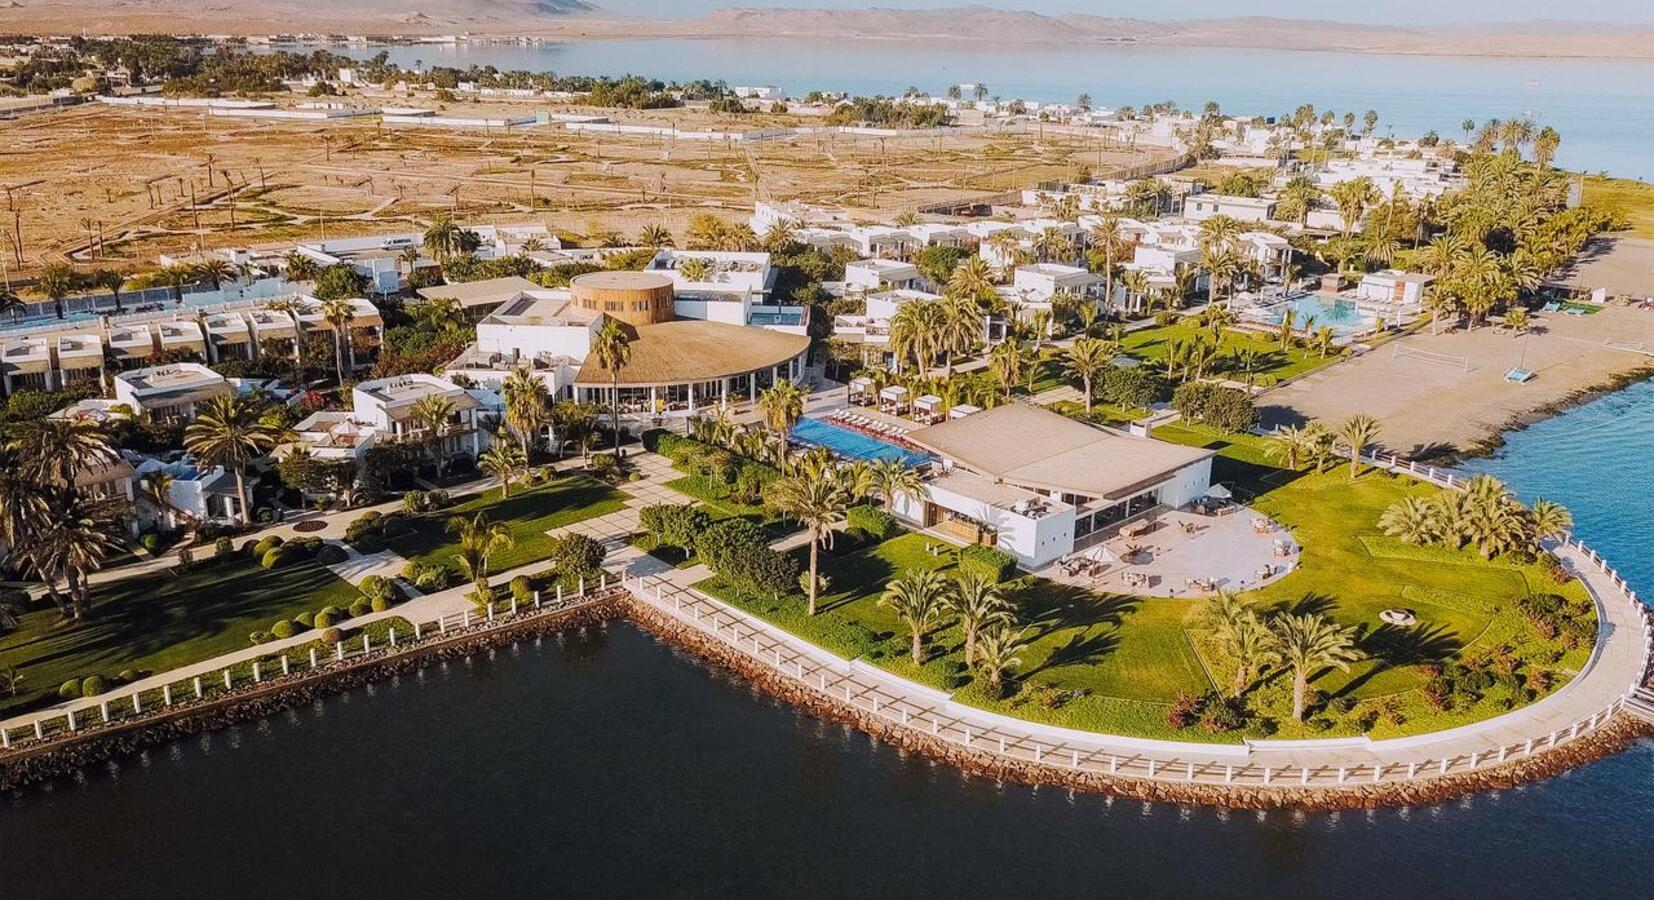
(1051, 607)
(1080, 649)
(1311, 604)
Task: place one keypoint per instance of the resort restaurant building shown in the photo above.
(675, 364)
(1040, 485)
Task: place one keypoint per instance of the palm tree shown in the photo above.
(1357, 432)
(156, 490)
(175, 277)
(1136, 283)
(997, 653)
(1308, 643)
(1414, 520)
(13, 304)
(479, 540)
(55, 282)
(230, 432)
(889, 480)
(782, 405)
(215, 270)
(1237, 628)
(611, 350)
(1301, 194)
(431, 414)
(920, 598)
(444, 239)
(339, 313)
(1221, 265)
(1008, 363)
(1087, 360)
(73, 540)
(526, 402)
(654, 237)
(54, 451)
(504, 459)
(972, 278)
(1105, 237)
(297, 266)
(1353, 197)
(817, 501)
(959, 326)
(409, 258)
(112, 281)
(1290, 444)
(979, 607)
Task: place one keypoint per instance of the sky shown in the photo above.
(1403, 12)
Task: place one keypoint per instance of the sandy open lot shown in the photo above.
(1623, 265)
(128, 174)
(1432, 405)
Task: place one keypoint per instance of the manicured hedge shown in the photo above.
(986, 562)
(739, 551)
(871, 519)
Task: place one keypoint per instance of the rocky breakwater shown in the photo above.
(1605, 741)
(64, 754)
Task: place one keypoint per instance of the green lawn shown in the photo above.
(528, 513)
(1632, 200)
(1152, 344)
(1116, 663)
(155, 622)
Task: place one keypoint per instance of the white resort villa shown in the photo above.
(1040, 485)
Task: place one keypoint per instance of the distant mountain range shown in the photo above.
(573, 19)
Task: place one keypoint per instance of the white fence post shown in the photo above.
(258, 676)
(166, 694)
(71, 720)
(312, 657)
(536, 598)
(227, 682)
(137, 705)
(339, 651)
(286, 665)
(198, 692)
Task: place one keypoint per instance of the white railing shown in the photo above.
(300, 659)
(902, 704)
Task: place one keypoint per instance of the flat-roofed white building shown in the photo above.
(1392, 286)
(882, 275)
(1200, 207)
(389, 406)
(1038, 484)
(1041, 282)
(715, 274)
(169, 393)
(26, 362)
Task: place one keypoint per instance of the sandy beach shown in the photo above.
(1453, 394)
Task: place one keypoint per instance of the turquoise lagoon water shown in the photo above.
(1597, 460)
(1603, 108)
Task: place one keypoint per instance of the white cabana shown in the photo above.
(928, 408)
(859, 387)
(962, 410)
(893, 398)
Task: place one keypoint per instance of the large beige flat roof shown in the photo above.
(480, 293)
(1034, 447)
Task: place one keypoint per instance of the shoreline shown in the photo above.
(1488, 446)
(62, 757)
(1613, 738)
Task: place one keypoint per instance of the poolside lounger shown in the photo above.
(1552, 306)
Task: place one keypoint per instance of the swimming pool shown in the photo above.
(1311, 312)
(852, 444)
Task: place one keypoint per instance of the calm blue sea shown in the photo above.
(1603, 108)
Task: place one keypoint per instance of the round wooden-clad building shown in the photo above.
(636, 298)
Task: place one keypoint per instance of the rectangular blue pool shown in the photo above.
(852, 444)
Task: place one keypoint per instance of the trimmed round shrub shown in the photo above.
(259, 637)
(361, 607)
(379, 604)
(275, 557)
(871, 519)
(330, 636)
(266, 544)
(308, 545)
(301, 623)
(126, 676)
(986, 562)
(368, 543)
(223, 547)
(151, 542)
(331, 555)
(378, 589)
(395, 526)
(330, 610)
(522, 589)
(70, 689)
(305, 618)
(325, 619)
(249, 547)
(282, 629)
(93, 685)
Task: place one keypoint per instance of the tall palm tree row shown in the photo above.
(1484, 515)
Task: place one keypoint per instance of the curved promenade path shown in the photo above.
(1618, 664)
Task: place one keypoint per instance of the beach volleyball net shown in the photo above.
(1443, 361)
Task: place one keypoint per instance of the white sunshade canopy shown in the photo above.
(894, 392)
(1219, 492)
